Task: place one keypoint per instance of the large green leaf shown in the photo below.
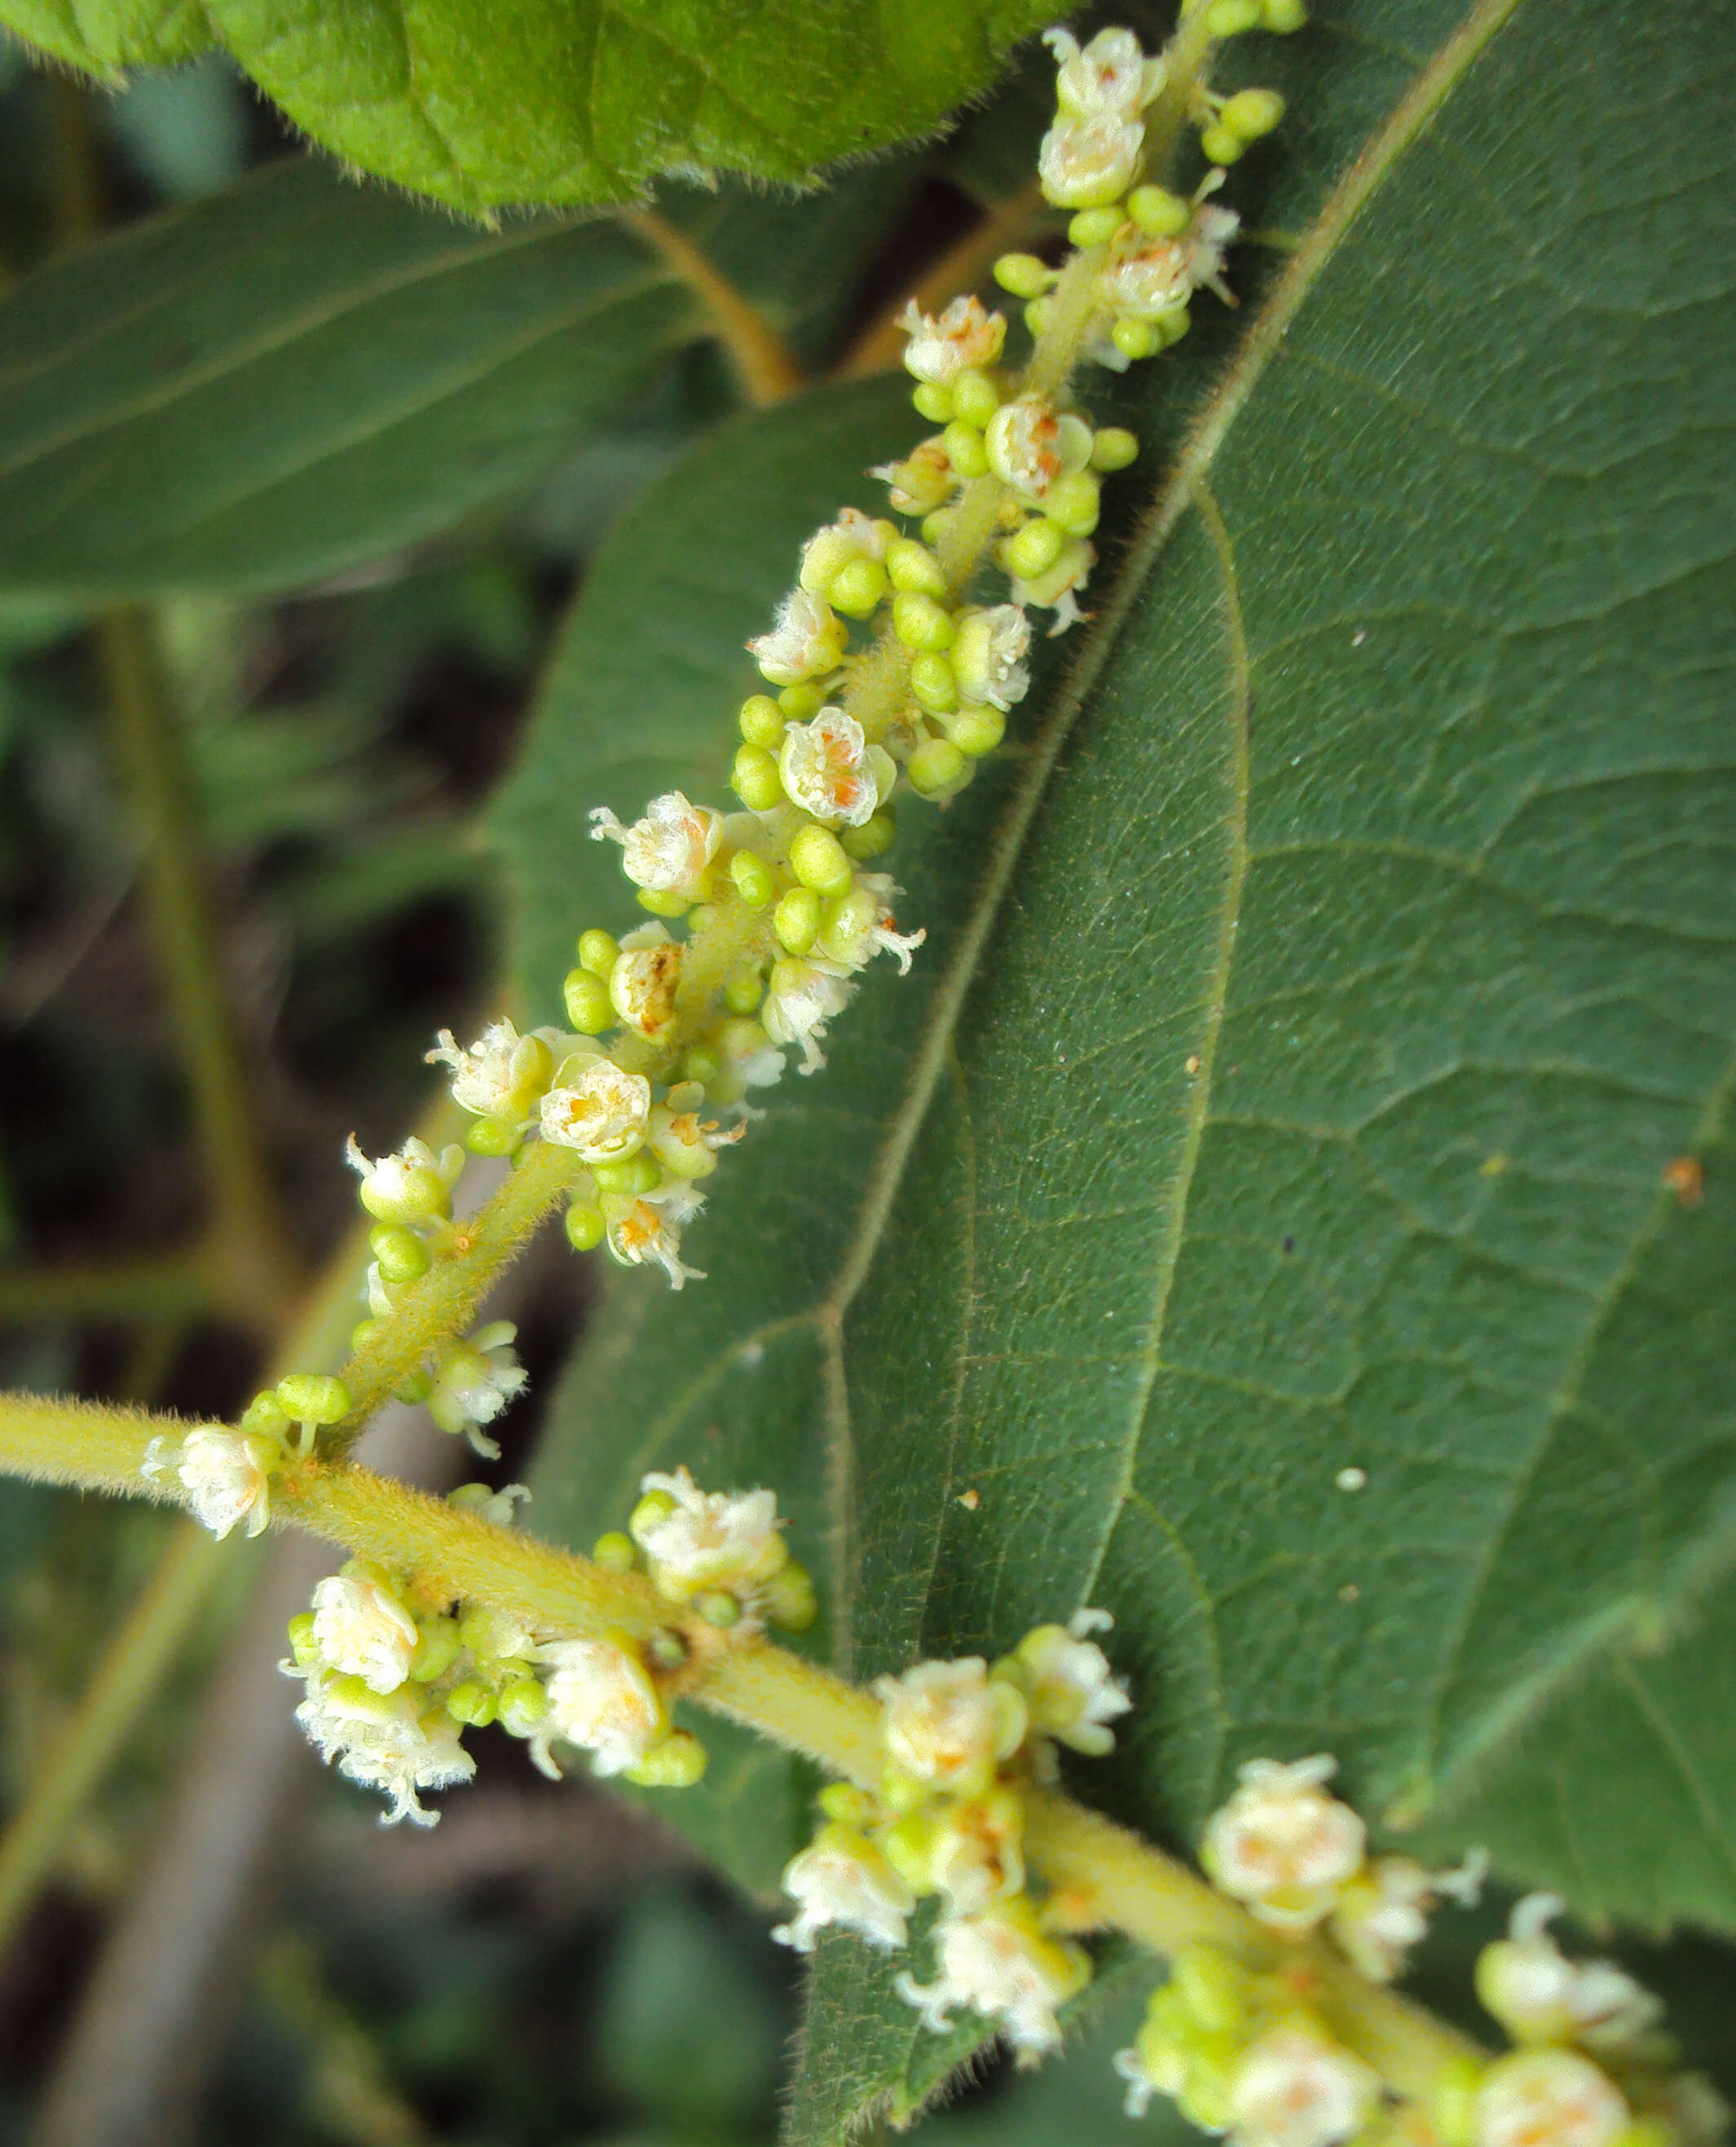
(559, 100)
(296, 374)
(1306, 1027)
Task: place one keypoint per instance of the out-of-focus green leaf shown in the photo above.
(102, 36)
(295, 375)
(563, 101)
(1287, 1084)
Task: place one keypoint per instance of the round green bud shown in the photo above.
(1136, 339)
(1073, 502)
(416, 1388)
(754, 778)
(1220, 144)
(1158, 212)
(599, 951)
(1114, 449)
(920, 622)
(494, 1136)
(1283, 17)
(913, 566)
(471, 1702)
(660, 903)
(717, 1607)
(667, 1648)
(788, 1598)
(871, 839)
(588, 1007)
(436, 1650)
(1036, 315)
(965, 450)
(934, 684)
(934, 767)
(752, 878)
(266, 1415)
(701, 1064)
(1217, 1990)
(400, 1252)
(817, 858)
(975, 399)
(909, 1848)
(585, 1226)
(844, 1802)
(361, 1333)
(933, 402)
(1094, 227)
(856, 588)
(633, 1176)
(761, 722)
(303, 1648)
(936, 526)
(796, 920)
(1023, 275)
(312, 1398)
(976, 731)
(616, 1552)
(799, 703)
(741, 1038)
(1031, 551)
(523, 1704)
(654, 1507)
(1229, 18)
(743, 989)
(1174, 325)
(1253, 113)
(676, 1764)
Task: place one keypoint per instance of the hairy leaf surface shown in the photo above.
(566, 101)
(1305, 1030)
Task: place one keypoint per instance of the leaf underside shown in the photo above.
(1306, 1025)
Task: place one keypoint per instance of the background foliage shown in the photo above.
(1314, 1000)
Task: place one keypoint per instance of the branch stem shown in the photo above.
(759, 356)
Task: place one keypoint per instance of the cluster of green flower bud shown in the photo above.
(963, 1743)
(225, 1476)
(1244, 2051)
(719, 1553)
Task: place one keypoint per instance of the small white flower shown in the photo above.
(962, 337)
(601, 1698)
(949, 1723)
(412, 1185)
(474, 1379)
(668, 849)
(1001, 1966)
(1090, 163)
(1056, 586)
(1030, 445)
(1208, 239)
(1383, 1912)
(686, 1144)
(1539, 1995)
(978, 1854)
(384, 1743)
(1293, 2089)
(1073, 1693)
(803, 997)
(707, 1539)
(1281, 1844)
(808, 641)
(829, 770)
(863, 927)
(643, 983)
(651, 1229)
(988, 655)
(842, 1879)
(501, 1075)
(1152, 282)
(602, 1114)
(1110, 77)
(361, 1628)
(921, 483)
(225, 1476)
(853, 536)
(1547, 2098)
